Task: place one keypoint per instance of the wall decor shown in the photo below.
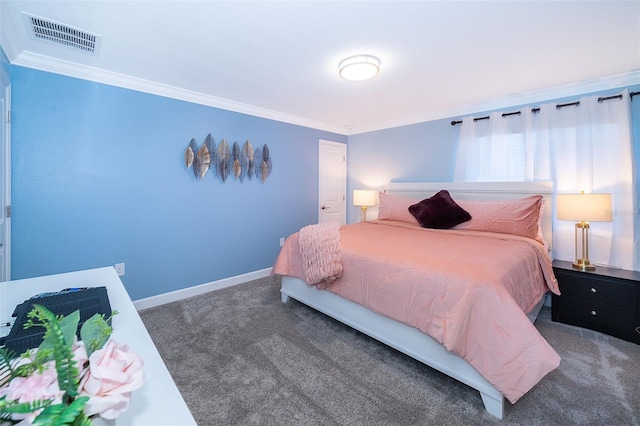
(203, 159)
(189, 154)
(247, 150)
(257, 162)
(224, 158)
(222, 161)
(265, 166)
(239, 162)
(211, 146)
(193, 147)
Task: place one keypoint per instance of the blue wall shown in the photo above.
(427, 151)
(98, 178)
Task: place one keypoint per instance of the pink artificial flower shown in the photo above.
(114, 373)
(36, 387)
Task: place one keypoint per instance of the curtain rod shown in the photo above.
(576, 103)
(606, 98)
(506, 114)
(536, 110)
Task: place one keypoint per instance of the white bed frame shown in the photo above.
(407, 339)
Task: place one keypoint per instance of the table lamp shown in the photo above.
(584, 208)
(364, 198)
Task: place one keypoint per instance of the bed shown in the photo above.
(435, 313)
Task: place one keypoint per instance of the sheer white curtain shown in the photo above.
(492, 149)
(585, 147)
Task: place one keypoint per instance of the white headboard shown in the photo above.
(482, 191)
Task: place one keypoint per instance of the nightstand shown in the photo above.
(605, 300)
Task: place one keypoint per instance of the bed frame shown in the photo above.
(407, 339)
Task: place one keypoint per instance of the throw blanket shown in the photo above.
(320, 252)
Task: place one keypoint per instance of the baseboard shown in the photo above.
(173, 296)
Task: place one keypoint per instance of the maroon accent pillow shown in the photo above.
(439, 212)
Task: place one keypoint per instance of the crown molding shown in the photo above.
(527, 98)
(71, 69)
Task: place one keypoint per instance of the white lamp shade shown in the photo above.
(359, 67)
(584, 207)
(364, 197)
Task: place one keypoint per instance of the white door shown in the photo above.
(5, 177)
(332, 182)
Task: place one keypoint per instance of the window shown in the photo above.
(580, 146)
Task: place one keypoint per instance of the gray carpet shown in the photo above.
(241, 357)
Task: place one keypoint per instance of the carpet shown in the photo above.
(242, 357)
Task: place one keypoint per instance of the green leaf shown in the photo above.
(65, 364)
(69, 327)
(74, 410)
(50, 415)
(82, 421)
(9, 407)
(6, 371)
(95, 333)
(63, 414)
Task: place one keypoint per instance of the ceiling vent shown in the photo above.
(54, 32)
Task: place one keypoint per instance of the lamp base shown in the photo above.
(363, 213)
(583, 265)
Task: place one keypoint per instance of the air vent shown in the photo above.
(65, 35)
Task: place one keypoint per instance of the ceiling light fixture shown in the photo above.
(359, 67)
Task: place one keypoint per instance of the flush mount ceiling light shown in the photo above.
(359, 67)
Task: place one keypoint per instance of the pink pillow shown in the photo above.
(520, 217)
(392, 207)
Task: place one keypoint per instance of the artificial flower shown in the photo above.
(114, 372)
(97, 375)
(38, 386)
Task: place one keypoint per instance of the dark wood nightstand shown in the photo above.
(605, 300)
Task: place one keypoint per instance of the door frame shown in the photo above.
(5, 147)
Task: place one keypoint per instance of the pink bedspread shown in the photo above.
(469, 290)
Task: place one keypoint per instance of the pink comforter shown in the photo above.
(469, 290)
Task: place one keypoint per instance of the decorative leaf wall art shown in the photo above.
(203, 158)
(239, 162)
(257, 162)
(224, 158)
(210, 143)
(189, 154)
(193, 148)
(266, 164)
(247, 150)
(222, 161)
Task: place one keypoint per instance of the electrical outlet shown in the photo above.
(281, 241)
(119, 268)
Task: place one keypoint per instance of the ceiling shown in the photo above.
(280, 59)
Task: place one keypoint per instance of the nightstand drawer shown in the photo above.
(598, 289)
(604, 299)
(596, 313)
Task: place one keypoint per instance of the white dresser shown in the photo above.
(158, 402)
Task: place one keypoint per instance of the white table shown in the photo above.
(158, 402)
